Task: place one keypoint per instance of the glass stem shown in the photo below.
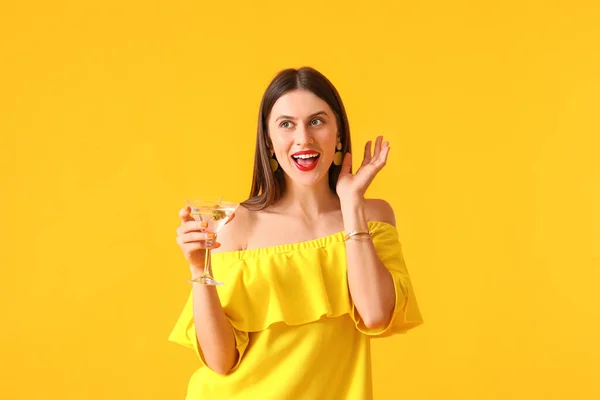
(207, 266)
(207, 262)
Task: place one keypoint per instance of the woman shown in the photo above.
(313, 270)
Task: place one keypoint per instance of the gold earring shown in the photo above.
(337, 157)
(273, 162)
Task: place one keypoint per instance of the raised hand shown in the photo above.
(352, 187)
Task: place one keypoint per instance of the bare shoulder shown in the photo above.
(234, 235)
(379, 210)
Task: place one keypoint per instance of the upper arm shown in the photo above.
(379, 210)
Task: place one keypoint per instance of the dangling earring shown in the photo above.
(273, 162)
(337, 157)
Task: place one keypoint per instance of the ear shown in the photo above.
(269, 145)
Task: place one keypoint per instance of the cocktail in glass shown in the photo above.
(215, 214)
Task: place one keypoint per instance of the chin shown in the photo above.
(309, 179)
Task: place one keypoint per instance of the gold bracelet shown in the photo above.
(361, 239)
(356, 233)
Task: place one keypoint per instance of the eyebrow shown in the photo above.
(310, 116)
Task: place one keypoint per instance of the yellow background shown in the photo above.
(113, 112)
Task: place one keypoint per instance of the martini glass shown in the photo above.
(215, 214)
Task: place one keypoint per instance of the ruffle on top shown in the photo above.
(298, 284)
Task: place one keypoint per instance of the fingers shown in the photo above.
(381, 152)
(184, 214)
(190, 226)
(190, 248)
(191, 235)
(380, 161)
(346, 164)
(195, 237)
(192, 241)
(377, 147)
(379, 157)
(367, 156)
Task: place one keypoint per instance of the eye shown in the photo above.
(286, 124)
(316, 122)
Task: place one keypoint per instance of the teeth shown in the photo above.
(304, 156)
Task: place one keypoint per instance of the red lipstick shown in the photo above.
(306, 160)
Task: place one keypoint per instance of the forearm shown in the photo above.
(213, 330)
(370, 283)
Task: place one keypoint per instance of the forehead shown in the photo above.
(299, 104)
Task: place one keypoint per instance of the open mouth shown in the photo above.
(306, 160)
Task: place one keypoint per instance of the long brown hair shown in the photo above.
(267, 186)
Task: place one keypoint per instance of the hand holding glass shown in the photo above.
(215, 215)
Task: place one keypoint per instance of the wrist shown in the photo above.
(352, 204)
(353, 214)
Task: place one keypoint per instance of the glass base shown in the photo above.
(206, 280)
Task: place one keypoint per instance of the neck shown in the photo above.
(309, 201)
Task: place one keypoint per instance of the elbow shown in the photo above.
(222, 371)
(379, 317)
(374, 323)
(221, 365)
(377, 321)
(220, 368)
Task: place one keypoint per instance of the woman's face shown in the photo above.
(303, 130)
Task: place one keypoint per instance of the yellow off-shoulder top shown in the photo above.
(296, 329)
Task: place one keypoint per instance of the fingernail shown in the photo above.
(217, 245)
(203, 224)
(210, 235)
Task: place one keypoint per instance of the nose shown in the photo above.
(302, 136)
